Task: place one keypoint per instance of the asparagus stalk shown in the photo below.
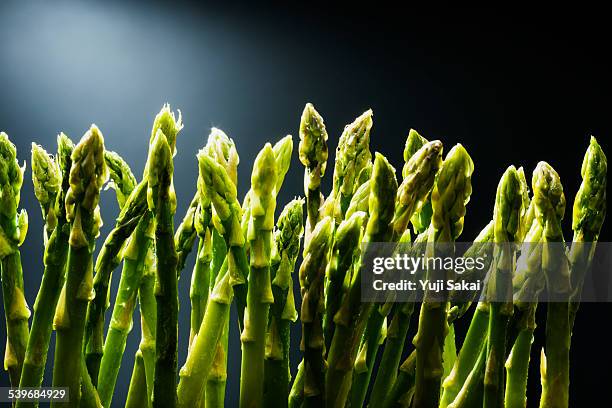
(108, 259)
(549, 203)
(282, 155)
(141, 383)
(344, 254)
(313, 155)
(421, 219)
(148, 320)
(122, 179)
(137, 393)
(419, 173)
(396, 337)
(222, 149)
(352, 156)
(589, 213)
(215, 186)
(287, 237)
(402, 390)
(259, 296)
(47, 182)
(13, 229)
(162, 203)
(471, 391)
(186, 233)
(507, 218)
(528, 282)
(312, 273)
(87, 175)
(134, 257)
(200, 278)
(353, 314)
(450, 194)
(56, 252)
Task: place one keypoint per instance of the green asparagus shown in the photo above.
(88, 173)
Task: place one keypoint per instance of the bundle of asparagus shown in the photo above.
(247, 257)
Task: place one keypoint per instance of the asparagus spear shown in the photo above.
(402, 390)
(549, 203)
(47, 181)
(287, 237)
(507, 218)
(13, 229)
(282, 155)
(162, 204)
(259, 296)
(56, 252)
(589, 213)
(121, 178)
(396, 337)
(186, 233)
(312, 272)
(313, 155)
(352, 156)
(353, 314)
(121, 322)
(418, 180)
(215, 185)
(421, 219)
(343, 255)
(420, 172)
(87, 175)
(450, 194)
(108, 259)
(222, 149)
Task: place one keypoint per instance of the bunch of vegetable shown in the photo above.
(246, 255)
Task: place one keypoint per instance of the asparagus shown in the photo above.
(313, 155)
(396, 337)
(312, 273)
(287, 237)
(259, 296)
(353, 315)
(13, 229)
(476, 337)
(470, 393)
(108, 260)
(343, 255)
(222, 149)
(507, 219)
(56, 252)
(589, 213)
(88, 173)
(121, 322)
(121, 178)
(186, 233)
(352, 156)
(421, 219)
(415, 187)
(47, 182)
(161, 200)
(450, 194)
(402, 390)
(419, 173)
(549, 202)
(215, 186)
(282, 155)
(148, 320)
(528, 282)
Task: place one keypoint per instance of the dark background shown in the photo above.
(512, 90)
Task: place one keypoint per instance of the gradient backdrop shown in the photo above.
(512, 90)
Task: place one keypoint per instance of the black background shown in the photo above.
(513, 88)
